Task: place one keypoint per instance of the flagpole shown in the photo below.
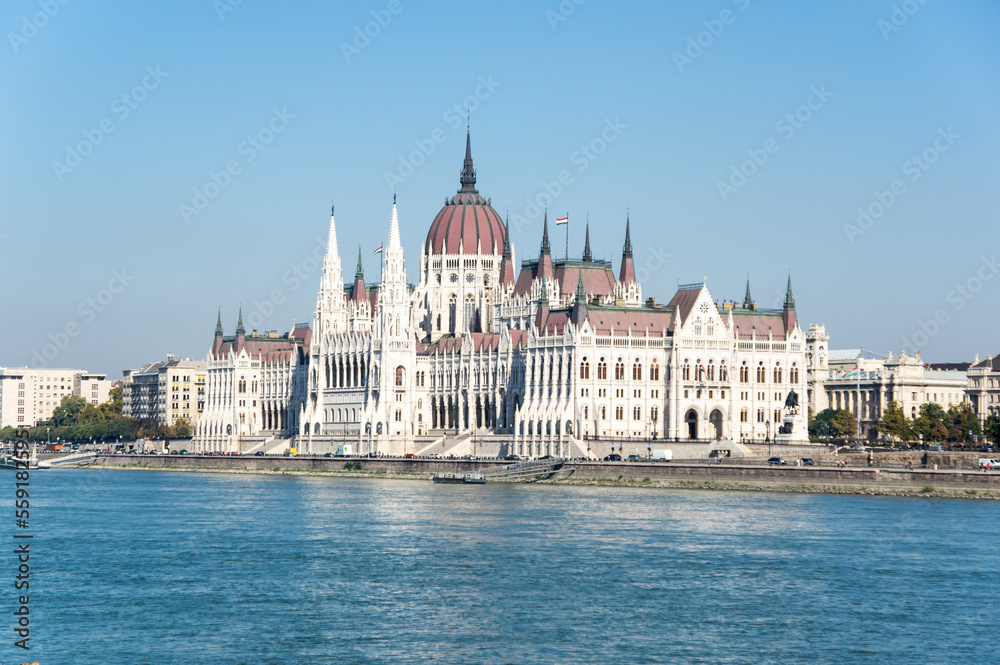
(858, 396)
(567, 237)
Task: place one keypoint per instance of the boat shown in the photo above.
(460, 478)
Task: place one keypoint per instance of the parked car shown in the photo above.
(807, 461)
(936, 447)
(512, 457)
(777, 461)
(613, 458)
(633, 458)
(986, 449)
(409, 456)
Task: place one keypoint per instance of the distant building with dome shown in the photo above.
(560, 357)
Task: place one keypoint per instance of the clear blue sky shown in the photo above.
(887, 95)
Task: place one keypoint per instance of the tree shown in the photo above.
(894, 422)
(113, 407)
(69, 410)
(992, 428)
(822, 423)
(927, 419)
(963, 424)
(845, 423)
(182, 427)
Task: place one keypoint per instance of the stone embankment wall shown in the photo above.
(735, 472)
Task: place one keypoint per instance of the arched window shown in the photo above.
(619, 370)
(584, 369)
(470, 312)
(452, 312)
(697, 326)
(604, 413)
(602, 369)
(654, 370)
(761, 373)
(399, 376)
(637, 413)
(243, 385)
(744, 373)
(636, 370)
(777, 373)
(793, 374)
(619, 413)
(686, 371)
(711, 371)
(654, 413)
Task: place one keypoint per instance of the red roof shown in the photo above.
(683, 301)
(641, 321)
(467, 220)
(749, 323)
(991, 363)
(598, 278)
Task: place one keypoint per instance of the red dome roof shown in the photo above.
(467, 222)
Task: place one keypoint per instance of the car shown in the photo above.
(807, 461)
(409, 456)
(936, 448)
(776, 461)
(987, 449)
(512, 457)
(173, 452)
(185, 452)
(546, 457)
(633, 458)
(259, 453)
(613, 458)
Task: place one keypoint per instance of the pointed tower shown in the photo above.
(468, 176)
(394, 315)
(579, 313)
(545, 269)
(241, 333)
(788, 311)
(331, 314)
(628, 289)
(588, 256)
(507, 262)
(358, 293)
(748, 302)
(217, 343)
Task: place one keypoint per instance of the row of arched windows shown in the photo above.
(602, 370)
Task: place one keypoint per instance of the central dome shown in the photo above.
(467, 221)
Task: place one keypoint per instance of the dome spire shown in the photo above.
(789, 298)
(506, 238)
(747, 300)
(468, 177)
(588, 256)
(240, 330)
(628, 236)
(218, 324)
(359, 273)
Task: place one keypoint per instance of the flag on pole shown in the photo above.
(379, 250)
(852, 374)
(562, 220)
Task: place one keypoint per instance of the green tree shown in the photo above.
(822, 424)
(992, 428)
(69, 410)
(926, 422)
(113, 407)
(845, 423)
(182, 427)
(963, 424)
(894, 422)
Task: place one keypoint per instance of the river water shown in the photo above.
(132, 567)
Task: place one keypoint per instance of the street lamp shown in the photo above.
(768, 438)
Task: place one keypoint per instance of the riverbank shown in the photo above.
(965, 484)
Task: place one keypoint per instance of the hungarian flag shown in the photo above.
(562, 220)
(379, 250)
(852, 374)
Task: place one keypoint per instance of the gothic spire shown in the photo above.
(747, 300)
(468, 177)
(359, 273)
(546, 247)
(240, 330)
(218, 324)
(506, 239)
(579, 311)
(789, 298)
(581, 293)
(628, 237)
(587, 255)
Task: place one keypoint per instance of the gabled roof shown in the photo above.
(991, 363)
(761, 323)
(598, 277)
(640, 320)
(684, 300)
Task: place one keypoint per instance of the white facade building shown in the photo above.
(28, 396)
